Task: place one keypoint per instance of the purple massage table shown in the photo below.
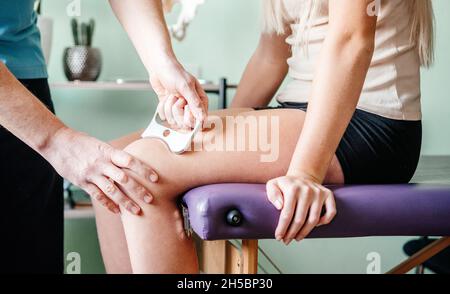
(241, 211)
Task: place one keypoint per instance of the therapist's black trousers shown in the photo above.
(31, 203)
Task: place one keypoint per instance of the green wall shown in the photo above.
(220, 41)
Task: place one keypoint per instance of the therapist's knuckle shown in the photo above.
(104, 148)
(186, 86)
(85, 174)
(127, 160)
(190, 81)
(110, 188)
(128, 204)
(140, 191)
(96, 195)
(122, 177)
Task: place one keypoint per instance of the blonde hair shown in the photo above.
(276, 18)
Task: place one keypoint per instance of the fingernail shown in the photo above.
(135, 210)
(153, 178)
(278, 204)
(287, 241)
(278, 237)
(148, 199)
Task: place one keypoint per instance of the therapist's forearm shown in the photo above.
(338, 83)
(24, 115)
(144, 22)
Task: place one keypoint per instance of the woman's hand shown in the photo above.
(301, 200)
(182, 99)
(99, 169)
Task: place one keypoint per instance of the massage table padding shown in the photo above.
(364, 210)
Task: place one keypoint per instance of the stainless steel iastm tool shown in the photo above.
(178, 141)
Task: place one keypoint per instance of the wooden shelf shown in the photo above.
(120, 85)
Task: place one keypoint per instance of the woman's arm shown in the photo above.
(264, 73)
(144, 22)
(338, 81)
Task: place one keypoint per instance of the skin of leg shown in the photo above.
(155, 239)
(111, 235)
(110, 231)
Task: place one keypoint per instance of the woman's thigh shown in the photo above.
(251, 147)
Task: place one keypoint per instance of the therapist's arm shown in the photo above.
(340, 74)
(144, 22)
(85, 161)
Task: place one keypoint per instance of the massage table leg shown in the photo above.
(421, 256)
(223, 257)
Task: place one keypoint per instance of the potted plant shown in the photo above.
(82, 62)
(45, 25)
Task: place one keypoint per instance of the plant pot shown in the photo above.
(82, 63)
(45, 26)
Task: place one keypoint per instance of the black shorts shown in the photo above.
(375, 149)
(31, 193)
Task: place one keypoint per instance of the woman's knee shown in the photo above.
(156, 155)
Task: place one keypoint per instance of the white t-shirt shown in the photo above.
(392, 86)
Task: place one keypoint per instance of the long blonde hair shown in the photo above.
(276, 17)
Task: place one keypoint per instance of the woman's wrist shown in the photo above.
(302, 174)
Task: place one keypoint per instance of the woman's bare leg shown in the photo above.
(111, 236)
(110, 231)
(156, 240)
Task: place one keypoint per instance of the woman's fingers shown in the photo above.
(290, 201)
(97, 195)
(274, 194)
(124, 160)
(114, 193)
(127, 184)
(330, 209)
(301, 212)
(313, 219)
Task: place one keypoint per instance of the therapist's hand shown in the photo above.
(300, 199)
(182, 99)
(99, 169)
